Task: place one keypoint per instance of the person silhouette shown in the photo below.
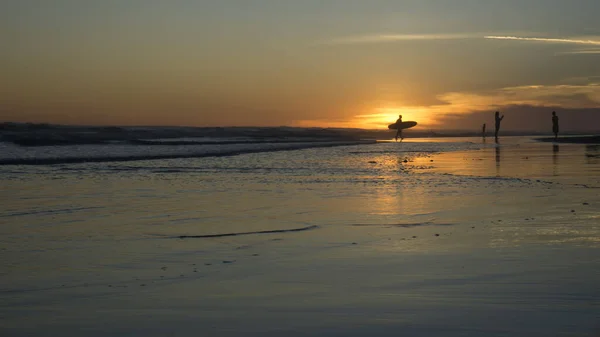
(498, 120)
(398, 129)
(555, 125)
(483, 131)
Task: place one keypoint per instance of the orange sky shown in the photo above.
(340, 64)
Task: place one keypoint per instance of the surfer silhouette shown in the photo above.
(483, 131)
(555, 124)
(498, 120)
(399, 130)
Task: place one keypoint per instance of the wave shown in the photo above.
(275, 231)
(210, 151)
(222, 142)
(33, 135)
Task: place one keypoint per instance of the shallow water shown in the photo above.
(449, 237)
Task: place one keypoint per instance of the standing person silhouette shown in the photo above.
(498, 120)
(399, 130)
(483, 131)
(555, 125)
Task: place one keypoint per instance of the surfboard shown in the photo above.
(403, 125)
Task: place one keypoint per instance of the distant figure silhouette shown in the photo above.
(399, 130)
(498, 120)
(555, 124)
(483, 131)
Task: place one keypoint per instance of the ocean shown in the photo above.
(299, 236)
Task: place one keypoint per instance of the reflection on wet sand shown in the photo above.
(555, 150)
(497, 159)
(592, 154)
(572, 162)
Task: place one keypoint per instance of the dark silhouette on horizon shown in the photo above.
(555, 124)
(399, 130)
(498, 120)
(483, 131)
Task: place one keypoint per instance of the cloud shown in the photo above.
(382, 38)
(386, 38)
(588, 42)
(585, 96)
(547, 96)
(464, 110)
(542, 95)
(580, 52)
(526, 118)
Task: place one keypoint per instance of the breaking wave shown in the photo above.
(121, 153)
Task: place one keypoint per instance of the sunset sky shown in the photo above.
(448, 64)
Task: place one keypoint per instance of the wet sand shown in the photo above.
(501, 241)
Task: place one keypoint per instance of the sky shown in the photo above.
(448, 64)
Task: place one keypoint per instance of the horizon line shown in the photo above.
(412, 130)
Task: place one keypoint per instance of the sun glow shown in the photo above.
(454, 104)
(382, 117)
(379, 118)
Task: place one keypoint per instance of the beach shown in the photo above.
(428, 237)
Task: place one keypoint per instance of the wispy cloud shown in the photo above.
(381, 38)
(565, 95)
(578, 52)
(386, 38)
(588, 42)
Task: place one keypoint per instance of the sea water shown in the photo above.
(453, 237)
